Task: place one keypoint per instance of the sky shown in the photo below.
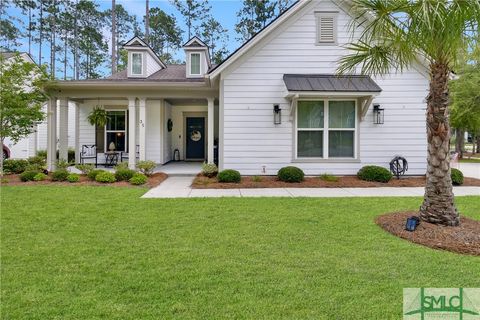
(225, 11)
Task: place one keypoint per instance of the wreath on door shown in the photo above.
(169, 125)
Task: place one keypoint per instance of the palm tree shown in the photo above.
(396, 34)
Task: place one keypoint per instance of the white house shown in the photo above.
(28, 146)
(274, 102)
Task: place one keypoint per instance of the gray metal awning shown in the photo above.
(330, 83)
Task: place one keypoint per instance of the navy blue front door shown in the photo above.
(195, 138)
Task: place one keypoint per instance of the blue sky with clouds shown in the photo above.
(225, 11)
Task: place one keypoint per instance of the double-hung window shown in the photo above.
(195, 64)
(115, 130)
(326, 129)
(137, 63)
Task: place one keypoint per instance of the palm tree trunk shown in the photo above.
(438, 205)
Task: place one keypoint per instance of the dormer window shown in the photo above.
(326, 28)
(195, 64)
(137, 63)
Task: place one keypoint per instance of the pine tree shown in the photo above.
(193, 11)
(254, 15)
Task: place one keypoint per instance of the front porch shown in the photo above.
(160, 129)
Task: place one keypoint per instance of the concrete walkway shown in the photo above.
(179, 187)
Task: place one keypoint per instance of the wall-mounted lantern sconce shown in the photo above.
(277, 114)
(378, 114)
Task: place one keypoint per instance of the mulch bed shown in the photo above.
(153, 181)
(464, 239)
(202, 182)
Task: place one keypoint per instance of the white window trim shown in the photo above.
(190, 64)
(123, 131)
(325, 14)
(326, 130)
(142, 64)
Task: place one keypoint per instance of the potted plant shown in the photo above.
(98, 118)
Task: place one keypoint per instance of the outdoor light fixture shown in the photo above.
(277, 114)
(378, 114)
(412, 223)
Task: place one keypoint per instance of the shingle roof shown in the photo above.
(173, 73)
(330, 83)
(8, 55)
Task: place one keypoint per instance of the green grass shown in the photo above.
(101, 252)
(471, 160)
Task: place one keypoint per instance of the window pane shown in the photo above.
(310, 144)
(136, 63)
(118, 138)
(341, 114)
(310, 114)
(116, 120)
(195, 63)
(340, 144)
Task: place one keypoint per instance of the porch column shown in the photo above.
(52, 133)
(131, 132)
(63, 132)
(141, 132)
(211, 124)
(77, 133)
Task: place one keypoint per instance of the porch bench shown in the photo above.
(89, 151)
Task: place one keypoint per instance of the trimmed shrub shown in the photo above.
(85, 168)
(62, 165)
(457, 177)
(138, 179)
(105, 177)
(229, 175)
(42, 154)
(92, 175)
(28, 175)
(146, 167)
(37, 161)
(40, 176)
(209, 169)
(14, 165)
(60, 175)
(290, 174)
(374, 173)
(124, 174)
(73, 177)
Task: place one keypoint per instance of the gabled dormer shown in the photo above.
(142, 61)
(197, 57)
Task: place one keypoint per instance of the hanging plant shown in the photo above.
(98, 117)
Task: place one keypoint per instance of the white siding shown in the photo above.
(152, 65)
(254, 84)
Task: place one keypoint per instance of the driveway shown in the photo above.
(471, 170)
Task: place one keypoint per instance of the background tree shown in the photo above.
(165, 36)
(216, 37)
(125, 25)
(254, 15)
(114, 33)
(393, 35)
(193, 11)
(9, 32)
(22, 97)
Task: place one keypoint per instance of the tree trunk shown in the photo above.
(30, 31)
(114, 48)
(459, 142)
(40, 34)
(478, 142)
(75, 43)
(438, 204)
(147, 22)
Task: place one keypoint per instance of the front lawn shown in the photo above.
(82, 252)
